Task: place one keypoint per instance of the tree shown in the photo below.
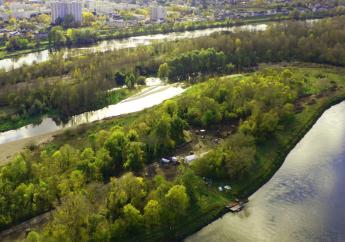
(269, 123)
(33, 236)
(163, 71)
(134, 156)
(133, 219)
(152, 215)
(161, 135)
(175, 206)
(115, 144)
(44, 19)
(104, 163)
(17, 43)
(88, 18)
(71, 220)
(120, 78)
(69, 21)
(57, 37)
(130, 80)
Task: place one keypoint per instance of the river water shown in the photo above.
(154, 94)
(132, 42)
(304, 200)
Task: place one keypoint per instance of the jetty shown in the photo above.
(237, 205)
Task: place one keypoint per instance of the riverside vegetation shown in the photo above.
(71, 34)
(81, 82)
(98, 187)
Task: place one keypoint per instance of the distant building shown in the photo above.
(158, 13)
(62, 8)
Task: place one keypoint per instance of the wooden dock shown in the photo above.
(237, 205)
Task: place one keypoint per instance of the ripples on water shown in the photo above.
(304, 200)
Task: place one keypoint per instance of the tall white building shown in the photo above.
(158, 13)
(64, 7)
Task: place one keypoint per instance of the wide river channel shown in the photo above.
(304, 200)
(109, 45)
(155, 94)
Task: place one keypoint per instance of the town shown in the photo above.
(27, 24)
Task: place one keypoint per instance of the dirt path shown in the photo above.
(19, 231)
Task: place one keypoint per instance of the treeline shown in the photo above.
(17, 43)
(192, 64)
(261, 104)
(32, 184)
(58, 37)
(64, 96)
(319, 41)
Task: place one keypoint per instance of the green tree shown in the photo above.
(133, 219)
(134, 156)
(175, 206)
(57, 37)
(88, 18)
(163, 71)
(71, 220)
(115, 144)
(152, 216)
(17, 43)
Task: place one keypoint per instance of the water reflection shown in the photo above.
(154, 94)
(108, 45)
(305, 199)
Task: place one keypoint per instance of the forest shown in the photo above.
(92, 205)
(99, 191)
(318, 42)
(61, 36)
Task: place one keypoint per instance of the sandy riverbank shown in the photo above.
(10, 150)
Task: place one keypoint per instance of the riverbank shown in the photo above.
(4, 54)
(271, 155)
(112, 98)
(267, 155)
(112, 34)
(9, 150)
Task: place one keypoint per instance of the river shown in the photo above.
(304, 200)
(154, 94)
(108, 45)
